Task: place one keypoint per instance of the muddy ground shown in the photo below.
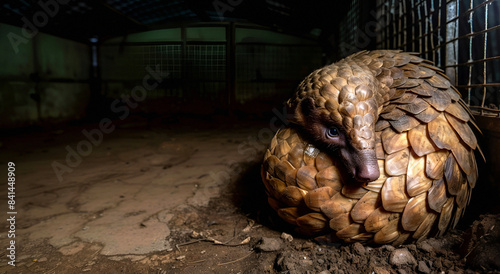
(110, 215)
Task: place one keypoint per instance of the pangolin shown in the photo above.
(380, 150)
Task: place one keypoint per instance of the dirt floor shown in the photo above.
(185, 196)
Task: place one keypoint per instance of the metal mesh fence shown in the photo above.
(206, 62)
(211, 74)
(123, 67)
(167, 56)
(413, 26)
(129, 62)
(348, 27)
(272, 71)
(203, 75)
(461, 36)
(205, 72)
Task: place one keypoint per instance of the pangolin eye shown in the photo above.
(332, 132)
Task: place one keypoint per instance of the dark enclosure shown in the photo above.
(135, 130)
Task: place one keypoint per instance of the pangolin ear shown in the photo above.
(304, 109)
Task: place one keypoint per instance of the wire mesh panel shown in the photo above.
(201, 74)
(348, 27)
(272, 71)
(461, 36)
(130, 62)
(356, 30)
(210, 71)
(206, 71)
(167, 57)
(206, 62)
(127, 64)
(415, 25)
(478, 66)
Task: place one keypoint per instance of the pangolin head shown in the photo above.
(337, 107)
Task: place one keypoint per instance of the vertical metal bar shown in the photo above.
(400, 24)
(431, 30)
(413, 25)
(425, 21)
(440, 60)
(95, 81)
(393, 25)
(451, 33)
(484, 53)
(184, 69)
(387, 19)
(36, 77)
(387, 24)
(438, 30)
(419, 18)
(395, 19)
(161, 58)
(404, 34)
(230, 66)
(470, 53)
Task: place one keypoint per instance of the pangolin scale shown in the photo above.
(401, 166)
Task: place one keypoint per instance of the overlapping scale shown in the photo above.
(397, 163)
(419, 140)
(463, 130)
(415, 212)
(405, 123)
(417, 181)
(441, 133)
(437, 196)
(434, 164)
(394, 195)
(379, 219)
(365, 206)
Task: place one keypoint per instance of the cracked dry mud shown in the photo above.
(173, 199)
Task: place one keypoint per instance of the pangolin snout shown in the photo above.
(366, 169)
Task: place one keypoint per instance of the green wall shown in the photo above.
(44, 82)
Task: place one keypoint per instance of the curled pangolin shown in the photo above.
(380, 150)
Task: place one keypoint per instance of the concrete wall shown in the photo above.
(45, 82)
